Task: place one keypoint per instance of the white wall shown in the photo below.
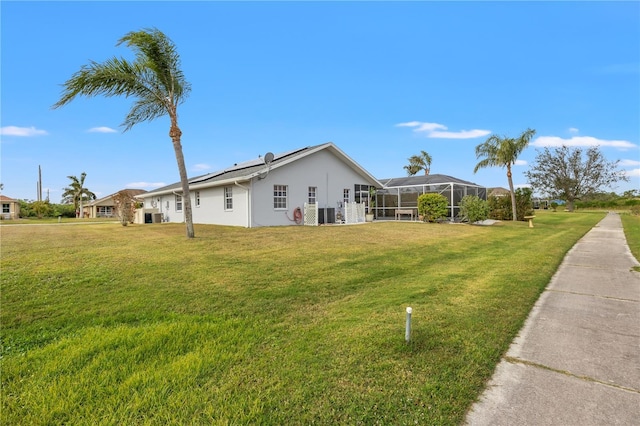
(211, 209)
(321, 169)
(212, 206)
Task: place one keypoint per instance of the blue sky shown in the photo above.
(382, 80)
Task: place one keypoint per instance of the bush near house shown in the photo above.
(473, 209)
(432, 207)
(500, 207)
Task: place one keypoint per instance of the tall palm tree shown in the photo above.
(154, 78)
(419, 162)
(76, 193)
(503, 152)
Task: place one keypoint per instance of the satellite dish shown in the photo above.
(268, 158)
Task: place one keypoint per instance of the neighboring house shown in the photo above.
(267, 191)
(104, 207)
(499, 192)
(402, 193)
(10, 208)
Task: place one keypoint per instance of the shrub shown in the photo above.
(42, 209)
(432, 207)
(64, 210)
(473, 209)
(500, 207)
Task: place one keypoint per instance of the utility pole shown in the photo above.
(39, 183)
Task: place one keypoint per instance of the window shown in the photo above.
(197, 198)
(6, 208)
(345, 195)
(178, 203)
(361, 194)
(279, 196)
(228, 198)
(105, 211)
(313, 195)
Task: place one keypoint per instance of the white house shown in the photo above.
(269, 191)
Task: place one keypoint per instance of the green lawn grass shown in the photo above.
(631, 224)
(105, 324)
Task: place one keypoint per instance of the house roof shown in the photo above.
(498, 191)
(132, 193)
(253, 168)
(5, 198)
(435, 179)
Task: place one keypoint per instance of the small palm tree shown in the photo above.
(419, 162)
(76, 193)
(154, 78)
(503, 152)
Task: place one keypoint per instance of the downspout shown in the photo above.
(325, 209)
(248, 201)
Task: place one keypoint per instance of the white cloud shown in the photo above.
(201, 167)
(573, 130)
(140, 185)
(436, 130)
(545, 141)
(520, 163)
(102, 129)
(631, 173)
(628, 163)
(21, 131)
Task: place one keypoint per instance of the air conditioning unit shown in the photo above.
(157, 218)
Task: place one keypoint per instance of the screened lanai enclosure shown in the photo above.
(401, 194)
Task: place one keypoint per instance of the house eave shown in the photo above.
(177, 190)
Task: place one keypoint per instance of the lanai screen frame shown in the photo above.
(405, 197)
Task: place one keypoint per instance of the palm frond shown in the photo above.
(154, 78)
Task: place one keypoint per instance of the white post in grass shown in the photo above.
(407, 332)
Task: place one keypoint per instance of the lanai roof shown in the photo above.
(435, 179)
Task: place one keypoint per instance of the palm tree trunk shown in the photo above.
(513, 194)
(175, 133)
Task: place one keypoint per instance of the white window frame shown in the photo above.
(104, 211)
(6, 208)
(313, 195)
(178, 203)
(280, 197)
(228, 198)
(346, 195)
(197, 196)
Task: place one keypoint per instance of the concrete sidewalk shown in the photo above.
(576, 361)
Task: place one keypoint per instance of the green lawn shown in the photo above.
(631, 224)
(105, 324)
